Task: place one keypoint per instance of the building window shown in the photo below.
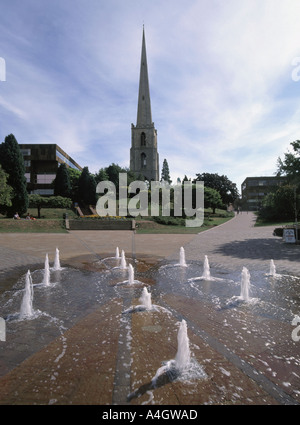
(27, 176)
(45, 178)
(143, 160)
(66, 160)
(143, 139)
(43, 192)
(27, 163)
(253, 183)
(25, 152)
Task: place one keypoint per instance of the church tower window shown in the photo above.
(143, 139)
(143, 160)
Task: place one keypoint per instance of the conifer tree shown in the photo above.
(165, 172)
(12, 163)
(62, 186)
(5, 189)
(87, 187)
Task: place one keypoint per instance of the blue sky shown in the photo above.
(223, 95)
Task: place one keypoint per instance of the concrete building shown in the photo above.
(143, 153)
(41, 164)
(254, 189)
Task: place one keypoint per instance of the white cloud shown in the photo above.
(223, 99)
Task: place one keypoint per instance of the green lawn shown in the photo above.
(150, 226)
(51, 221)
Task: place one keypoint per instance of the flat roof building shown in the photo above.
(41, 164)
(254, 189)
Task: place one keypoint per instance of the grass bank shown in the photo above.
(51, 221)
(150, 226)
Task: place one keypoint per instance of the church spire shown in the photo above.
(144, 116)
(144, 158)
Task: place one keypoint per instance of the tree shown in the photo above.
(5, 190)
(290, 166)
(74, 176)
(12, 163)
(62, 186)
(226, 188)
(101, 176)
(39, 202)
(113, 171)
(87, 188)
(212, 199)
(280, 204)
(165, 172)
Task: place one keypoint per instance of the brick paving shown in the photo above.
(109, 357)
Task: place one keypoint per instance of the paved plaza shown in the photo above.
(108, 358)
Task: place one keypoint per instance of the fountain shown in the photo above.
(245, 285)
(123, 260)
(182, 262)
(206, 269)
(117, 253)
(26, 310)
(182, 367)
(272, 268)
(183, 355)
(206, 273)
(272, 272)
(130, 275)
(56, 265)
(146, 299)
(46, 280)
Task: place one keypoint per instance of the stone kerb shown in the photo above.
(90, 224)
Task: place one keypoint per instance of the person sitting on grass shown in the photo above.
(30, 217)
(16, 216)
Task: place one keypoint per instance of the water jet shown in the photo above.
(182, 262)
(46, 280)
(123, 260)
(26, 310)
(130, 275)
(145, 299)
(56, 265)
(245, 285)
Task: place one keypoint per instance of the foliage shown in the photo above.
(101, 176)
(5, 190)
(165, 172)
(62, 185)
(173, 221)
(226, 188)
(12, 163)
(290, 166)
(280, 204)
(87, 188)
(111, 173)
(74, 176)
(212, 199)
(39, 202)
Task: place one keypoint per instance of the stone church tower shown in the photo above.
(143, 152)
